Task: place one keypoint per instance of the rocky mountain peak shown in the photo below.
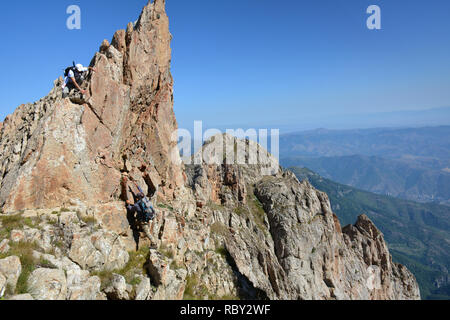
(55, 150)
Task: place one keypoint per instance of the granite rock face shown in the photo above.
(238, 227)
(285, 240)
(56, 150)
(319, 261)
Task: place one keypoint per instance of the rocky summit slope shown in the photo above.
(224, 231)
(56, 150)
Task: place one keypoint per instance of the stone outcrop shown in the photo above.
(99, 251)
(47, 284)
(285, 240)
(10, 269)
(394, 281)
(117, 289)
(242, 228)
(57, 150)
(81, 286)
(318, 261)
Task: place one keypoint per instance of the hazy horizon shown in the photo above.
(397, 119)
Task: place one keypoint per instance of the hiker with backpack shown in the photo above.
(142, 211)
(74, 77)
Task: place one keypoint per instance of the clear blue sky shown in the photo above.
(250, 61)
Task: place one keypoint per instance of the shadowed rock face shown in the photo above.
(55, 150)
(229, 230)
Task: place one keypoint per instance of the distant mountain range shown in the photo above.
(338, 121)
(418, 234)
(411, 163)
(425, 143)
(383, 176)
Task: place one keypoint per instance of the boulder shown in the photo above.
(76, 277)
(11, 268)
(113, 217)
(47, 284)
(174, 288)
(102, 250)
(143, 289)
(80, 286)
(66, 218)
(83, 252)
(158, 267)
(111, 246)
(117, 289)
(62, 263)
(90, 290)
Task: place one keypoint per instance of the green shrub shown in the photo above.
(228, 298)
(24, 250)
(257, 210)
(135, 266)
(90, 221)
(190, 289)
(28, 222)
(105, 277)
(166, 251)
(240, 211)
(219, 228)
(222, 251)
(175, 266)
(197, 291)
(136, 281)
(44, 263)
(9, 223)
(165, 206)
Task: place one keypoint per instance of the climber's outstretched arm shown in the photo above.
(76, 85)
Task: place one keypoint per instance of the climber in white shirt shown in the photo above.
(73, 78)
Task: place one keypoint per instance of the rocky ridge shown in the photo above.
(224, 231)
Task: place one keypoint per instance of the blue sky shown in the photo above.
(255, 62)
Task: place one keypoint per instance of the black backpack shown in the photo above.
(147, 209)
(76, 73)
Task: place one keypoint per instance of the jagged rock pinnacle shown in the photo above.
(55, 150)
